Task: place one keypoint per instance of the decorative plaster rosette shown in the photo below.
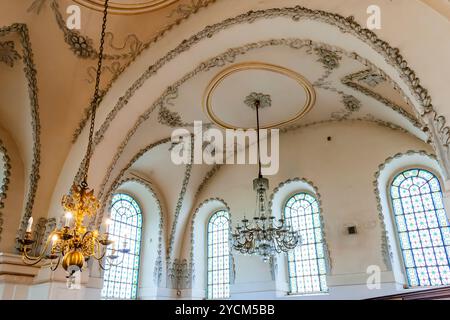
(8, 54)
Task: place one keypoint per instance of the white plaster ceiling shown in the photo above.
(65, 85)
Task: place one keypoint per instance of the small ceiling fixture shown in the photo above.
(263, 236)
(74, 244)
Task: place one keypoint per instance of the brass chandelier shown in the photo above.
(74, 244)
(263, 236)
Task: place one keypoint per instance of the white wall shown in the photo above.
(343, 171)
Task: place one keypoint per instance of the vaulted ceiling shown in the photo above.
(312, 69)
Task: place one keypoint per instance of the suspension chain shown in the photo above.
(96, 99)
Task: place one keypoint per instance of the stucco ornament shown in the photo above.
(4, 184)
(31, 75)
(8, 54)
(370, 77)
(297, 13)
(37, 6)
(351, 103)
(350, 81)
(81, 45)
(264, 100)
(328, 58)
(170, 118)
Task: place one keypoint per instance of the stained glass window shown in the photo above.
(219, 255)
(121, 282)
(422, 227)
(306, 263)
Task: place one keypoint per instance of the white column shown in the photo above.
(15, 277)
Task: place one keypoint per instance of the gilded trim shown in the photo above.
(127, 8)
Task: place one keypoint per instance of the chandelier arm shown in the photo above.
(57, 264)
(99, 248)
(41, 254)
(28, 263)
(95, 101)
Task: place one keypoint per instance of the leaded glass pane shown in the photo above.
(121, 282)
(219, 256)
(422, 225)
(307, 267)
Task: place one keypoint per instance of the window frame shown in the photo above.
(230, 261)
(399, 254)
(138, 270)
(325, 249)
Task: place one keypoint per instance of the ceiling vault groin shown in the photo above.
(166, 99)
(298, 13)
(348, 25)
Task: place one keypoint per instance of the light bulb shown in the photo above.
(55, 238)
(68, 217)
(108, 222)
(30, 224)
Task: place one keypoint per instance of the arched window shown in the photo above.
(121, 282)
(306, 263)
(219, 255)
(422, 227)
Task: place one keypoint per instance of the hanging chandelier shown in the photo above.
(74, 244)
(264, 236)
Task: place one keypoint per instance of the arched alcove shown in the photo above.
(198, 244)
(278, 201)
(152, 271)
(384, 176)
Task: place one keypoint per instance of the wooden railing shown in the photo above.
(441, 293)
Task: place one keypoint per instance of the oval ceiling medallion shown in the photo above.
(285, 96)
(126, 6)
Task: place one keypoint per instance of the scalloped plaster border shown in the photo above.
(5, 182)
(31, 76)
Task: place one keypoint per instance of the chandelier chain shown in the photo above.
(96, 99)
(257, 105)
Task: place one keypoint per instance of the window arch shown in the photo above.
(422, 227)
(218, 238)
(306, 263)
(121, 282)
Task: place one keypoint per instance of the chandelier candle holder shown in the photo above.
(264, 236)
(74, 244)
